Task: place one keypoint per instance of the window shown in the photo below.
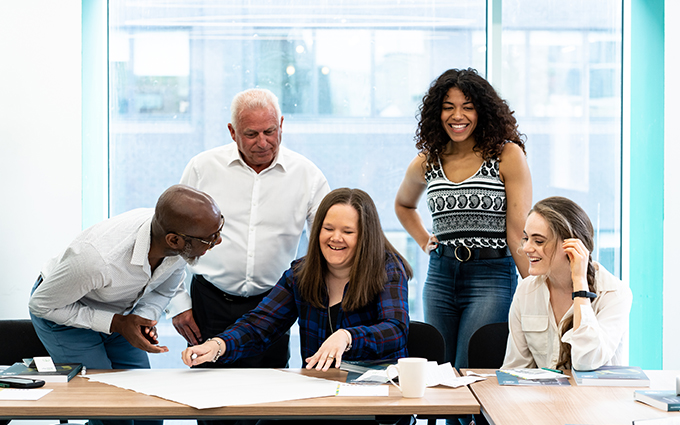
(350, 77)
(562, 75)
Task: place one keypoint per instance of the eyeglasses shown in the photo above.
(213, 238)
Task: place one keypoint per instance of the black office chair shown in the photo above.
(486, 350)
(424, 340)
(487, 346)
(19, 341)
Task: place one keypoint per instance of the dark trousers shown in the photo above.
(214, 311)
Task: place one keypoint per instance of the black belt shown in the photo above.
(463, 253)
(228, 297)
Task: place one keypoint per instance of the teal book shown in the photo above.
(356, 368)
(612, 376)
(365, 366)
(667, 401)
(64, 373)
(508, 379)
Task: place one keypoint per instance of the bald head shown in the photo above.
(186, 210)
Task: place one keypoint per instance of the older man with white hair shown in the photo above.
(267, 193)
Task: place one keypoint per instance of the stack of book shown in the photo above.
(64, 373)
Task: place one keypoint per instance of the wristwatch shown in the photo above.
(583, 294)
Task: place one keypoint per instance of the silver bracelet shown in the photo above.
(219, 349)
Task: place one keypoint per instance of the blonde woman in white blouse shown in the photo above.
(570, 311)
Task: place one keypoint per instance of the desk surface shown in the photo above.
(82, 399)
(553, 405)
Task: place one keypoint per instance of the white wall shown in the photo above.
(40, 140)
(671, 293)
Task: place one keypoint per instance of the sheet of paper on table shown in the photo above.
(22, 393)
(206, 388)
(436, 374)
(443, 375)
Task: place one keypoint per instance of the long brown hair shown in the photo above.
(566, 219)
(367, 276)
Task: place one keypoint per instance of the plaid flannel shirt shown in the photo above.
(379, 330)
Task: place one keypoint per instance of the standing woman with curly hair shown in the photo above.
(473, 166)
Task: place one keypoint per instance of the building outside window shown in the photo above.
(350, 77)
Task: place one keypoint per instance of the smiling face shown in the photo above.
(339, 236)
(459, 116)
(258, 136)
(540, 245)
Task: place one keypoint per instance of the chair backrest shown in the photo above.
(424, 340)
(486, 349)
(18, 341)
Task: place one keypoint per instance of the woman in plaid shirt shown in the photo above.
(350, 295)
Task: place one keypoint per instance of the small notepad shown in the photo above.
(44, 364)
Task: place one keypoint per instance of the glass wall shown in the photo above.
(350, 76)
(562, 75)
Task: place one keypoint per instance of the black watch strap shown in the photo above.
(583, 294)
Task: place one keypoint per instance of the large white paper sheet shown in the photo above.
(207, 388)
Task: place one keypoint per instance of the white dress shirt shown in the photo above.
(106, 271)
(264, 217)
(534, 339)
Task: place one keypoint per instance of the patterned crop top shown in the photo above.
(469, 213)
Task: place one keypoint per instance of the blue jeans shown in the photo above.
(461, 297)
(95, 350)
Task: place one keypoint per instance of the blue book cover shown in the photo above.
(614, 376)
(667, 401)
(508, 379)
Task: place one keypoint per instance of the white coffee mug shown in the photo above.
(411, 372)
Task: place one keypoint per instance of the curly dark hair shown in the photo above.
(495, 121)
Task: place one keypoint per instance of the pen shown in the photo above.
(553, 370)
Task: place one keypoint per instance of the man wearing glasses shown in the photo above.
(268, 193)
(97, 303)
